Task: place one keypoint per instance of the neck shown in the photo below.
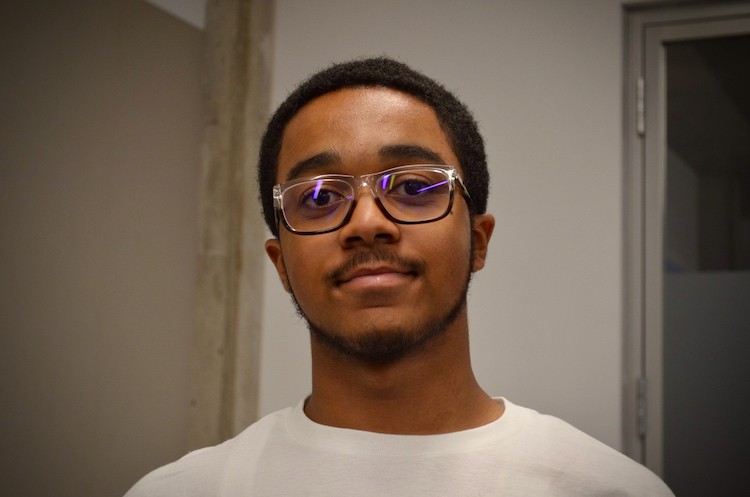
(430, 391)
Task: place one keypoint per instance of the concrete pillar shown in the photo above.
(230, 256)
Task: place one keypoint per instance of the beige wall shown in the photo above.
(544, 79)
(99, 166)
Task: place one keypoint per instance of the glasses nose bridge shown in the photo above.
(365, 181)
(368, 182)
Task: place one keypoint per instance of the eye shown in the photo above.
(317, 197)
(412, 186)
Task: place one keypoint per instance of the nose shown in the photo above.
(368, 224)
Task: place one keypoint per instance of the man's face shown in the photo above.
(374, 288)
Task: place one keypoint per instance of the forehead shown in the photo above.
(362, 130)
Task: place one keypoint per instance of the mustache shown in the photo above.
(411, 265)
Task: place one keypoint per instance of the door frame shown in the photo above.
(647, 29)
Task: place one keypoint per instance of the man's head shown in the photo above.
(375, 285)
(455, 119)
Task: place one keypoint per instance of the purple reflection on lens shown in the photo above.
(431, 186)
(387, 182)
(318, 186)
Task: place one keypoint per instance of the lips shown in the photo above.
(375, 275)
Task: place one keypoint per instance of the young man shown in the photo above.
(374, 183)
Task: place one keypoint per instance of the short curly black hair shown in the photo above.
(454, 117)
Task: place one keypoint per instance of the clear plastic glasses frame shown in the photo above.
(412, 194)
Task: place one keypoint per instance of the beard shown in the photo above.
(383, 346)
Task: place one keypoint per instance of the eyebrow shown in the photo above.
(317, 161)
(410, 152)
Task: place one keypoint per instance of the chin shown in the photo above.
(378, 346)
(387, 344)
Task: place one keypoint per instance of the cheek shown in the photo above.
(304, 269)
(458, 264)
(451, 255)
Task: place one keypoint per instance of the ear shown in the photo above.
(482, 227)
(273, 249)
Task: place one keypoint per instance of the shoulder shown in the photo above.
(202, 472)
(579, 460)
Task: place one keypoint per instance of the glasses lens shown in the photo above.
(317, 205)
(415, 195)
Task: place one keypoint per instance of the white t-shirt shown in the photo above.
(523, 453)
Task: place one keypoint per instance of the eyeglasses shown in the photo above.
(406, 194)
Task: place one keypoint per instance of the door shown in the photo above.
(689, 245)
